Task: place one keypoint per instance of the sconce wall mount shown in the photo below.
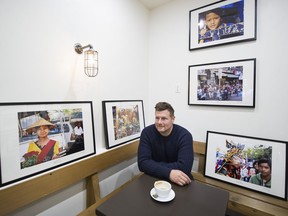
(90, 59)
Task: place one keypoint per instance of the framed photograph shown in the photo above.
(250, 162)
(228, 83)
(41, 136)
(123, 121)
(222, 22)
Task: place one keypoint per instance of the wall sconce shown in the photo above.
(90, 59)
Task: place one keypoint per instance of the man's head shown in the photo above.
(164, 118)
(161, 106)
(264, 167)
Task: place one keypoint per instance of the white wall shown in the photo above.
(38, 63)
(169, 60)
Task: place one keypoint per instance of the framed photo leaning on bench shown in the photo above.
(40, 136)
(250, 162)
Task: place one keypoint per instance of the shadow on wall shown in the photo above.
(45, 206)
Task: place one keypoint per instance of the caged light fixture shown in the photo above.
(90, 59)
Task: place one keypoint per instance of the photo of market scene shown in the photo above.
(126, 121)
(224, 83)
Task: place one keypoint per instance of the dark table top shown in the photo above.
(194, 199)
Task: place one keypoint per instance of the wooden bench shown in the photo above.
(241, 200)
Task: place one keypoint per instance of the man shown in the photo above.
(165, 150)
(263, 178)
(78, 131)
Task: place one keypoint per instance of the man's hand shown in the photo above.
(179, 177)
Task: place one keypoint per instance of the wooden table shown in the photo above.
(194, 199)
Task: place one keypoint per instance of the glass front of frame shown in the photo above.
(254, 163)
(37, 137)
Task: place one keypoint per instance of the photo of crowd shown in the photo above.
(250, 164)
(224, 83)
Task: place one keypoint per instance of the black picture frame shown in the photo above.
(222, 22)
(231, 158)
(21, 155)
(228, 83)
(123, 121)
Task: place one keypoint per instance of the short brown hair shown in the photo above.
(161, 106)
(264, 160)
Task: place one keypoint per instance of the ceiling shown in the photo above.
(153, 3)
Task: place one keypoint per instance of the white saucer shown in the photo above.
(161, 199)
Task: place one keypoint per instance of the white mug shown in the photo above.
(162, 188)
